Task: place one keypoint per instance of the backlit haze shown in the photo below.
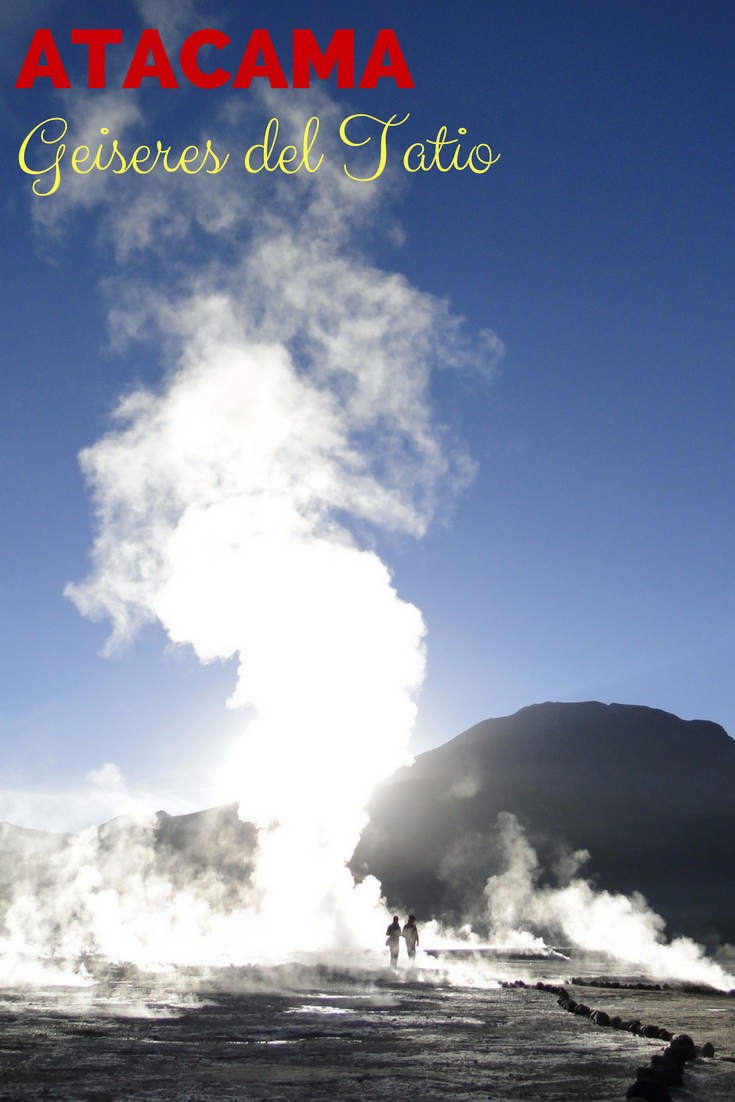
(359, 465)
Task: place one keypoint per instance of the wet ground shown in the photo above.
(314, 1033)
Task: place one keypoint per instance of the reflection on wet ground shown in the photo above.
(315, 1032)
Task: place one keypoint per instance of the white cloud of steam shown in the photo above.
(465, 788)
(624, 927)
(86, 117)
(107, 776)
(235, 506)
(119, 893)
(173, 18)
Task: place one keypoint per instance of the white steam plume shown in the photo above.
(624, 927)
(235, 505)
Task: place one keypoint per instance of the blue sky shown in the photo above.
(591, 555)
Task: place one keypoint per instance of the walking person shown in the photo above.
(411, 936)
(393, 940)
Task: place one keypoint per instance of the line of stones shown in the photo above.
(687, 988)
(665, 1070)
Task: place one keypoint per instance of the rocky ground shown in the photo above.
(313, 1033)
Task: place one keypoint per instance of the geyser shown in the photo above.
(237, 506)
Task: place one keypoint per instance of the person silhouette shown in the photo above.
(411, 936)
(393, 940)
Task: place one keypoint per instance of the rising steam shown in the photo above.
(625, 928)
(237, 505)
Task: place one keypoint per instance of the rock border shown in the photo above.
(665, 1070)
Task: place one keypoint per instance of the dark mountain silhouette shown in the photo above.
(649, 795)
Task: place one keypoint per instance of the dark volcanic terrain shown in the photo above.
(313, 1034)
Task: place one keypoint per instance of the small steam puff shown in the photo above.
(623, 927)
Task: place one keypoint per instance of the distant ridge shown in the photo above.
(651, 796)
(188, 850)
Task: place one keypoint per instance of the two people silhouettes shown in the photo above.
(409, 933)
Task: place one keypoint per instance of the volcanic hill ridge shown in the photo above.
(649, 795)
